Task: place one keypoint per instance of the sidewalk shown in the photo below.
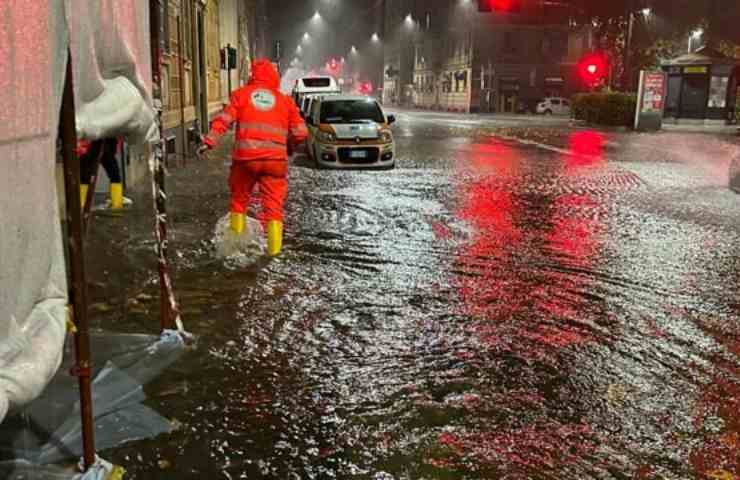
(554, 120)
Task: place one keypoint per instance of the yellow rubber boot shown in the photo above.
(116, 196)
(237, 223)
(274, 237)
(84, 187)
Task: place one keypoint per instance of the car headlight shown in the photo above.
(386, 136)
(326, 137)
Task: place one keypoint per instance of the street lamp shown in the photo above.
(375, 38)
(316, 16)
(646, 12)
(695, 35)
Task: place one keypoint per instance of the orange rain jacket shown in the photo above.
(265, 118)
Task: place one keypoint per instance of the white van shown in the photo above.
(313, 86)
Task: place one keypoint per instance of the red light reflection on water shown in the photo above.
(519, 301)
(587, 147)
(517, 284)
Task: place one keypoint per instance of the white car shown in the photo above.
(350, 131)
(554, 106)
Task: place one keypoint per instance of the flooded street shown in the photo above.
(509, 303)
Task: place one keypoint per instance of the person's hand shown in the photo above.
(203, 150)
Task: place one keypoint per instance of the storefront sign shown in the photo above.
(654, 92)
(651, 101)
(695, 70)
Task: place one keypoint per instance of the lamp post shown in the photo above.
(696, 34)
(631, 11)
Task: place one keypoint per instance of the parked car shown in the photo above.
(350, 131)
(554, 106)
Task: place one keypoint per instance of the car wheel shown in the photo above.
(548, 112)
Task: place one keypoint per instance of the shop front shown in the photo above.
(508, 97)
(702, 86)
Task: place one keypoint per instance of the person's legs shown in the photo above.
(241, 182)
(110, 164)
(87, 169)
(274, 189)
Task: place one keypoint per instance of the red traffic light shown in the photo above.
(504, 6)
(593, 69)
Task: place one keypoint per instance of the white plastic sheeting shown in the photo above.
(109, 40)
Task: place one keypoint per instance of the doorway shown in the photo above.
(694, 96)
(508, 102)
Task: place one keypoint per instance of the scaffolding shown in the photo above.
(46, 373)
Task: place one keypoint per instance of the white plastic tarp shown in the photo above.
(109, 41)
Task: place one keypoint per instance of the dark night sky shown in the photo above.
(344, 23)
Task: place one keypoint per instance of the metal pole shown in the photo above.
(228, 66)
(78, 284)
(183, 131)
(628, 45)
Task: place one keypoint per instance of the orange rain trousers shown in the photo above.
(272, 178)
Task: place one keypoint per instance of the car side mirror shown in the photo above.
(391, 119)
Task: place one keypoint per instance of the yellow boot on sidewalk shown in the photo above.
(274, 237)
(84, 187)
(116, 196)
(237, 223)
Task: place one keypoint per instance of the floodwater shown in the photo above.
(491, 309)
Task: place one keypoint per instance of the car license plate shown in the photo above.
(357, 154)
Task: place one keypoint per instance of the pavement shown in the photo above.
(519, 298)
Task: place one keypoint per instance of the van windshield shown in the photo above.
(316, 82)
(351, 111)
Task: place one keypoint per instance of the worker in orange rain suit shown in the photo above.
(266, 120)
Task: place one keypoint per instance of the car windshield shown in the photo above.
(351, 111)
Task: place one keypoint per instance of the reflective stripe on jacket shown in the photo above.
(266, 120)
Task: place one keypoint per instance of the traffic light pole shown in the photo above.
(228, 67)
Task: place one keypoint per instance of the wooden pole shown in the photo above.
(78, 283)
(168, 310)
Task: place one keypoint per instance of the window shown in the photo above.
(187, 30)
(315, 106)
(166, 25)
(555, 101)
(316, 82)
(351, 111)
(566, 103)
(510, 42)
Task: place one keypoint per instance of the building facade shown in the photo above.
(399, 34)
(195, 87)
(468, 61)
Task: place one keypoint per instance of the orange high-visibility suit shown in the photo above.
(265, 121)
